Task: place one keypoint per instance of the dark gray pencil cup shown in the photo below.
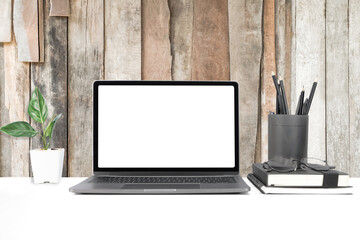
(287, 139)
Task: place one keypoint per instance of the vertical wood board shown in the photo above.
(283, 43)
(123, 40)
(5, 145)
(268, 92)
(155, 29)
(293, 88)
(245, 21)
(354, 87)
(337, 84)
(51, 78)
(210, 50)
(181, 32)
(17, 85)
(60, 8)
(28, 20)
(310, 65)
(5, 20)
(85, 57)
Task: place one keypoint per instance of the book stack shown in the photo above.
(301, 181)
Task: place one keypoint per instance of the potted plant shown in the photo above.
(46, 163)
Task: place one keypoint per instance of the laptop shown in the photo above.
(164, 137)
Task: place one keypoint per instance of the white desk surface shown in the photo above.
(50, 211)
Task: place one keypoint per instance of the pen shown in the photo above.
(312, 93)
(286, 108)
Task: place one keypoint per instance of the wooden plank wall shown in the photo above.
(51, 77)
(85, 64)
(241, 40)
(245, 20)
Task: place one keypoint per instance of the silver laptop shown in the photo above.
(164, 137)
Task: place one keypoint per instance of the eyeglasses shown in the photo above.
(292, 164)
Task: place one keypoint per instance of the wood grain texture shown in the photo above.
(268, 92)
(310, 65)
(181, 32)
(16, 99)
(294, 91)
(51, 78)
(5, 145)
(210, 50)
(283, 43)
(245, 19)
(337, 84)
(85, 59)
(5, 20)
(155, 30)
(123, 40)
(28, 31)
(59, 8)
(354, 87)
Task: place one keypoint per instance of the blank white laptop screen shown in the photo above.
(151, 126)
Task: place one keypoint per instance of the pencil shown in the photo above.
(300, 103)
(282, 105)
(278, 99)
(304, 109)
(275, 82)
(286, 108)
(312, 93)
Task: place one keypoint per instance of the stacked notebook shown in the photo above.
(300, 182)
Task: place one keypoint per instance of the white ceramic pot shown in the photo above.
(47, 165)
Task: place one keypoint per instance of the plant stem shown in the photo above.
(43, 136)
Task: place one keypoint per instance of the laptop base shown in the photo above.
(88, 187)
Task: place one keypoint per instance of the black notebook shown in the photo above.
(301, 178)
(296, 190)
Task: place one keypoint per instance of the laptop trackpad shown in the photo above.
(161, 186)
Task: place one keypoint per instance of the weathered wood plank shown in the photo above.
(60, 8)
(16, 99)
(294, 91)
(337, 84)
(5, 145)
(51, 78)
(310, 65)
(283, 43)
(28, 31)
(354, 87)
(155, 30)
(123, 40)
(181, 29)
(268, 92)
(5, 20)
(210, 54)
(85, 59)
(245, 19)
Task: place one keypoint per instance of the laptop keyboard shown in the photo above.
(212, 180)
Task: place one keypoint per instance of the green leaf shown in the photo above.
(19, 129)
(37, 107)
(50, 127)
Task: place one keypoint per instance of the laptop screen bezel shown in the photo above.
(97, 169)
